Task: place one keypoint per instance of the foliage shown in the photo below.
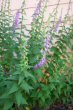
(15, 78)
(22, 85)
(55, 79)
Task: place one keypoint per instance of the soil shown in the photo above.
(61, 107)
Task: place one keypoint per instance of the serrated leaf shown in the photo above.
(20, 79)
(19, 98)
(13, 89)
(25, 86)
(4, 96)
(7, 105)
(29, 75)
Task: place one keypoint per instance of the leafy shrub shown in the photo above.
(33, 69)
(55, 79)
(16, 81)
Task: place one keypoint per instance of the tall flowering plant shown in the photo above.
(47, 45)
(14, 68)
(37, 10)
(29, 66)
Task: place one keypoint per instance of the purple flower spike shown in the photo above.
(37, 11)
(40, 64)
(36, 67)
(47, 43)
(58, 23)
(16, 22)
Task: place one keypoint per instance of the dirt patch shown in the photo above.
(61, 107)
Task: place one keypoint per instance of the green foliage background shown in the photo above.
(22, 86)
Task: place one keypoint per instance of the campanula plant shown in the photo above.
(34, 68)
(53, 62)
(14, 69)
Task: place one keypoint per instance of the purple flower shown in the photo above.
(40, 64)
(46, 47)
(47, 43)
(37, 11)
(16, 22)
(58, 23)
(36, 67)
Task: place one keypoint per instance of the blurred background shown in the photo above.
(65, 5)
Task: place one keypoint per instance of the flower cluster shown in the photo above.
(17, 19)
(58, 23)
(40, 64)
(37, 11)
(47, 43)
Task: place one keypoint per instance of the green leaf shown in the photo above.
(29, 75)
(25, 86)
(7, 105)
(13, 89)
(21, 78)
(20, 99)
